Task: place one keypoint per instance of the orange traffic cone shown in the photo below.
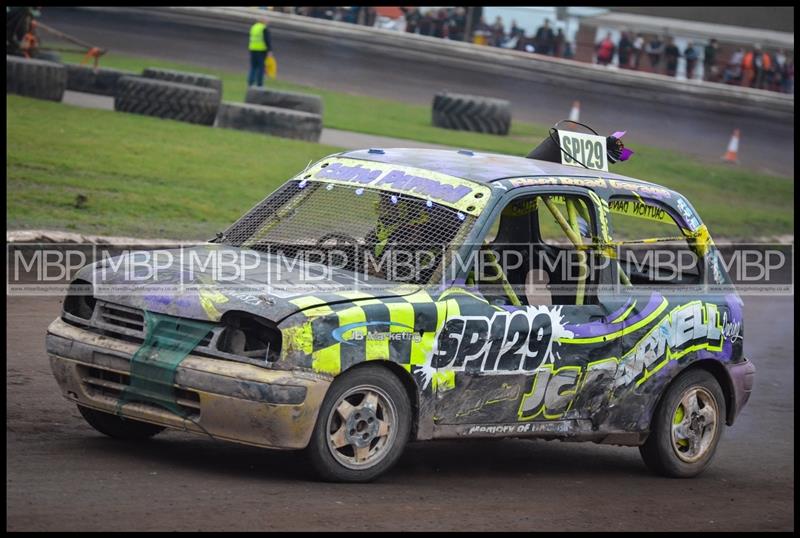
(575, 113)
(733, 148)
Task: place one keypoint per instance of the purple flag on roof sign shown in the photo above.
(626, 153)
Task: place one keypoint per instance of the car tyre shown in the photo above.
(471, 113)
(303, 102)
(183, 77)
(363, 426)
(101, 81)
(270, 120)
(118, 427)
(686, 427)
(35, 78)
(167, 100)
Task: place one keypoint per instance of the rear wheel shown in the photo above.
(118, 427)
(686, 427)
(363, 426)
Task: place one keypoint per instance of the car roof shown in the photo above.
(478, 166)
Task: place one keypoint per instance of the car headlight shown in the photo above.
(250, 336)
(80, 300)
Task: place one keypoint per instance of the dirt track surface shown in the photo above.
(62, 475)
(765, 145)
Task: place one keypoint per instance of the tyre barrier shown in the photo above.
(35, 78)
(101, 81)
(471, 113)
(292, 100)
(270, 120)
(185, 77)
(168, 100)
(48, 56)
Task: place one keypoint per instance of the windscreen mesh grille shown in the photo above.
(310, 219)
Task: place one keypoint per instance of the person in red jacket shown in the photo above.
(605, 50)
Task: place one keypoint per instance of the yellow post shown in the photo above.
(584, 270)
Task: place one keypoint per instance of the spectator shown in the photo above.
(558, 43)
(498, 32)
(624, 52)
(370, 14)
(569, 52)
(710, 70)
(352, 15)
(638, 48)
(671, 55)
(482, 32)
(516, 31)
(413, 19)
(426, 23)
(691, 55)
(763, 69)
(544, 41)
(323, 12)
(780, 72)
(440, 24)
(458, 24)
(754, 65)
(655, 48)
(605, 50)
(748, 69)
(733, 71)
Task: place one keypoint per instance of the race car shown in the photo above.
(384, 296)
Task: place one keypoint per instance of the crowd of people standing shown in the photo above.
(755, 68)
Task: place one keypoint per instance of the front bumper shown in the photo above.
(742, 375)
(227, 400)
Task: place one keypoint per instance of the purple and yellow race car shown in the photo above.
(390, 295)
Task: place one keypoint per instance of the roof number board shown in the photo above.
(583, 150)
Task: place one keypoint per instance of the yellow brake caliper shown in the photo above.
(677, 419)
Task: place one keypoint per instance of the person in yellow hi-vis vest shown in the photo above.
(260, 47)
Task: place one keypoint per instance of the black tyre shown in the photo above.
(35, 78)
(363, 426)
(168, 100)
(686, 426)
(270, 120)
(185, 77)
(118, 427)
(471, 113)
(82, 78)
(291, 100)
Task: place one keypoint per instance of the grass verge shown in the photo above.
(761, 201)
(142, 176)
(156, 178)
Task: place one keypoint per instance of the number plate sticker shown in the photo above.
(581, 149)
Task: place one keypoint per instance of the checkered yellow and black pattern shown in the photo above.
(421, 310)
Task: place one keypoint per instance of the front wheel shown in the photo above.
(118, 427)
(363, 426)
(686, 426)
